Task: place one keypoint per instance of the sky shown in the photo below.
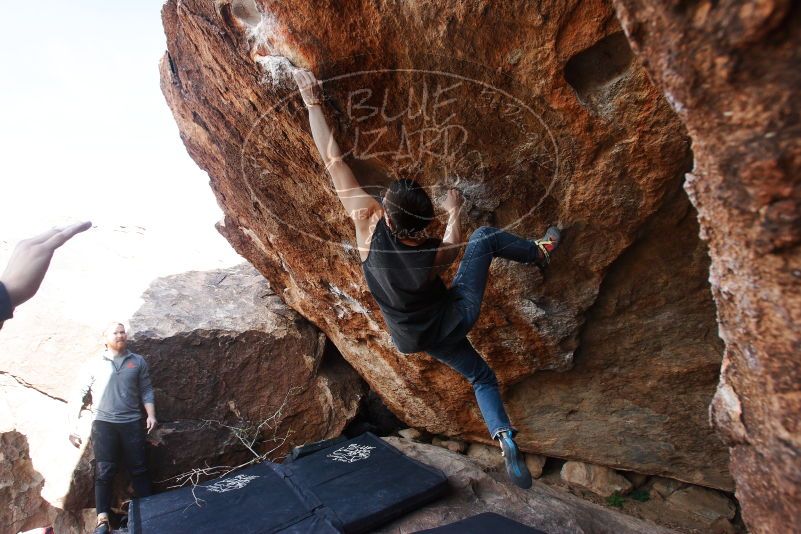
(85, 132)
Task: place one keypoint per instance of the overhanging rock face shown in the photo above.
(539, 115)
(649, 353)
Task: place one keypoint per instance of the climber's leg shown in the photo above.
(462, 357)
(485, 244)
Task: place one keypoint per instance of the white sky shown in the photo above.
(85, 132)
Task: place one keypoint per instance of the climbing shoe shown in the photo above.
(515, 461)
(102, 528)
(547, 244)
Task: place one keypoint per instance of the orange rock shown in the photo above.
(733, 73)
(543, 116)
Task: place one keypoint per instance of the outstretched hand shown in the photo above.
(31, 258)
(308, 85)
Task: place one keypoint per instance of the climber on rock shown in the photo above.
(403, 266)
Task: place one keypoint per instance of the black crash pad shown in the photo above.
(367, 482)
(255, 499)
(350, 486)
(486, 523)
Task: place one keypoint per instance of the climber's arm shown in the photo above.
(448, 250)
(358, 203)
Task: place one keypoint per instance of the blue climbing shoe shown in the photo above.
(102, 527)
(547, 244)
(515, 461)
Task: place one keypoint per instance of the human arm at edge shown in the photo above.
(28, 265)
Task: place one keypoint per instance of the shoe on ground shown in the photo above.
(102, 528)
(515, 461)
(547, 244)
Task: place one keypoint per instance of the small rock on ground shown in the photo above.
(598, 479)
(664, 487)
(485, 455)
(636, 479)
(411, 433)
(454, 445)
(535, 463)
(708, 505)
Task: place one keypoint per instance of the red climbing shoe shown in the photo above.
(547, 244)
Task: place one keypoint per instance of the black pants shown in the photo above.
(112, 441)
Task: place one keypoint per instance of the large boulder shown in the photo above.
(25, 505)
(644, 373)
(226, 353)
(41, 422)
(732, 71)
(98, 277)
(236, 374)
(539, 114)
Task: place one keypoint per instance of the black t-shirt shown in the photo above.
(419, 312)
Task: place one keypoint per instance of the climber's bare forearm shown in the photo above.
(355, 200)
(323, 138)
(453, 230)
(449, 249)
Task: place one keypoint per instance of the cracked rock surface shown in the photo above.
(20, 486)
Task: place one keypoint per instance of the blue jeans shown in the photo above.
(467, 289)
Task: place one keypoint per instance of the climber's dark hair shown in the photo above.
(409, 208)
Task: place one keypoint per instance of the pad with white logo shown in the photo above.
(231, 484)
(352, 453)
